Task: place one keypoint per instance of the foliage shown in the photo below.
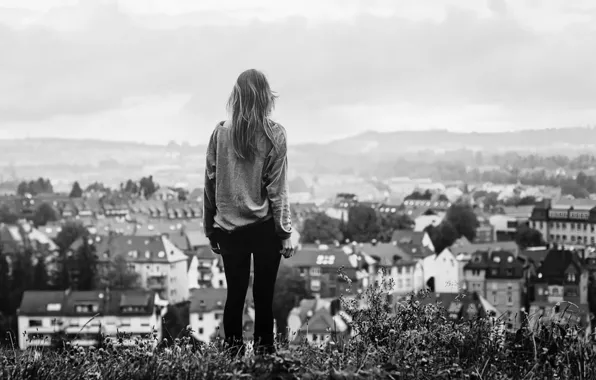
(443, 235)
(98, 187)
(7, 215)
(526, 236)
(321, 227)
(118, 275)
(362, 224)
(34, 187)
(45, 213)
(77, 262)
(463, 218)
(290, 287)
(417, 195)
(40, 275)
(389, 222)
(147, 186)
(76, 191)
(409, 339)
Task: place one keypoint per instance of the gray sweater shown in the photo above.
(240, 193)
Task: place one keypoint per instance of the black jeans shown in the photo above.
(236, 248)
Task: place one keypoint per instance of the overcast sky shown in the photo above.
(160, 70)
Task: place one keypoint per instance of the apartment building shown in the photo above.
(320, 266)
(206, 270)
(571, 222)
(80, 317)
(206, 312)
(162, 267)
(499, 277)
(562, 279)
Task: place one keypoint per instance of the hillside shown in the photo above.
(96, 159)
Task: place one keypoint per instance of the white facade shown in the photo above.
(204, 325)
(445, 270)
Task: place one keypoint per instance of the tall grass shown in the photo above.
(406, 340)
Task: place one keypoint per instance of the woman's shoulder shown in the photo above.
(278, 132)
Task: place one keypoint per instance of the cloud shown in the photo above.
(463, 61)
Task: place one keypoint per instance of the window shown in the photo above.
(315, 285)
(509, 271)
(540, 291)
(315, 271)
(571, 292)
(495, 299)
(201, 330)
(125, 322)
(509, 297)
(570, 277)
(35, 323)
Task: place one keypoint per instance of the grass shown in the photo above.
(410, 340)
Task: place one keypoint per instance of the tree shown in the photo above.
(44, 213)
(7, 216)
(290, 288)
(131, 187)
(76, 191)
(389, 222)
(442, 236)
(35, 187)
(362, 224)
(118, 275)
(526, 236)
(71, 263)
(321, 227)
(147, 186)
(40, 275)
(464, 219)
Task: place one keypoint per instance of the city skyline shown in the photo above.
(156, 71)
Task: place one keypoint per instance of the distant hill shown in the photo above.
(343, 156)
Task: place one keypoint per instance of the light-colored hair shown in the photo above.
(250, 105)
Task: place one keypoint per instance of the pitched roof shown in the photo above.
(510, 246)
(313, 257)
(500, 264)
(556, 263)
(42, 303)
(65, 303)
(138, 248)
(386, 254)
(205, 300)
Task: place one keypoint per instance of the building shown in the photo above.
(83, 317)
(206, 312)
(499, 277)
(317, 321)
(161, 265)
(320, 266)
(206, 270)
(416, 244)
(570, 222)
(562, 280)
(441, 272)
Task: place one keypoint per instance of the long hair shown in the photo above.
(250, 105)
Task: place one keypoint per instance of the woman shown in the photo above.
(246, 207)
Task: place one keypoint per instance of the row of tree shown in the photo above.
(34, 187)
(364, 224)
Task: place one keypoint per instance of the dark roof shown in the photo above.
(314, 257)
(207, 299)
(556, 263)
(108, 302)
(468, 249)
(36, 302)
(147, 248)
(410, 243)
(386, 254)
(499, 264)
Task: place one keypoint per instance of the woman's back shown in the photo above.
(249, 191)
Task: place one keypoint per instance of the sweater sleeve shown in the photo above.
(276, 182)
(209, 207)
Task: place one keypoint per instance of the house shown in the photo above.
(441, 272)
(317, 321)
(417, 244)
(499, 277)
(569, 222)
(183, 210)
(206, 312)
(320, 266)
(465, 251)
(562, 280)
(460, 306)
(81, 316)
(206, 270)
(161, 265)
(405, 272)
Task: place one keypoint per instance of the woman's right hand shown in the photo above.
(287, 248)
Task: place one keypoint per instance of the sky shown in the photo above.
(160, 70)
